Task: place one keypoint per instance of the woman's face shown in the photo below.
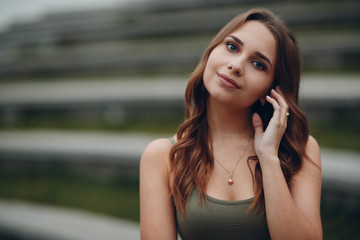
(240, 70)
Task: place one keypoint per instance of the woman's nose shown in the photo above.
(237, 68)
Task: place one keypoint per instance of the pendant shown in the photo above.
(230, 181)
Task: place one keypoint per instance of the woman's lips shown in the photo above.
(227, 81)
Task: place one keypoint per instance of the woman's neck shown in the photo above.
(226, 123)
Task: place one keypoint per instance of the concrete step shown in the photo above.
(23, 220)
(145, 90)
(340, 168)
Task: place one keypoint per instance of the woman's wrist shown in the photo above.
(269, 161)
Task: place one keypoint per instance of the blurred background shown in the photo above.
(85, 85)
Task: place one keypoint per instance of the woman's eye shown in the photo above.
(259, 65)
(232, 47)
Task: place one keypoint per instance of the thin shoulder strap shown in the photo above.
(172, 141)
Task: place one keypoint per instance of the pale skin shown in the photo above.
(292, 212)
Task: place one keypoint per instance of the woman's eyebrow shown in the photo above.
(236, 39)
(262, 56)
(259, 54)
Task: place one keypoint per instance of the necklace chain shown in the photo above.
(231, 180)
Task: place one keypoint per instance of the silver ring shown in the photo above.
(287, 114)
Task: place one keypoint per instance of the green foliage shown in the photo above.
(342, 134)
(117, 196)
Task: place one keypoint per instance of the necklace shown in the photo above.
(231, 173)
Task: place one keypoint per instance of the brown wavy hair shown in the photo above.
(191, 157)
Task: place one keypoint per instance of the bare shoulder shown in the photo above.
(313, 152)
(312, 145)
(305, 185)
(311, 163)
(157, 217)
(158, 147)
(156, 153)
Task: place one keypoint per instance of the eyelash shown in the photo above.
(230, 44)
(262, 66)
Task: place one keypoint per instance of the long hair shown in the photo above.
(191, 157)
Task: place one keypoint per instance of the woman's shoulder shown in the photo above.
(157, 153)
(312, 146)
(313, 151)
(310, 171)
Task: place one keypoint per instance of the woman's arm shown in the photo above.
(291, 213)
(294, 214)
(157, 218)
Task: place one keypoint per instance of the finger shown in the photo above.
(283, 104)
(257, 123)
(277, 109)
(280, 98)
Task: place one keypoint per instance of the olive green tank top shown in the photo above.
(220, 220)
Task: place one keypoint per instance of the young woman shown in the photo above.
(242, 165)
